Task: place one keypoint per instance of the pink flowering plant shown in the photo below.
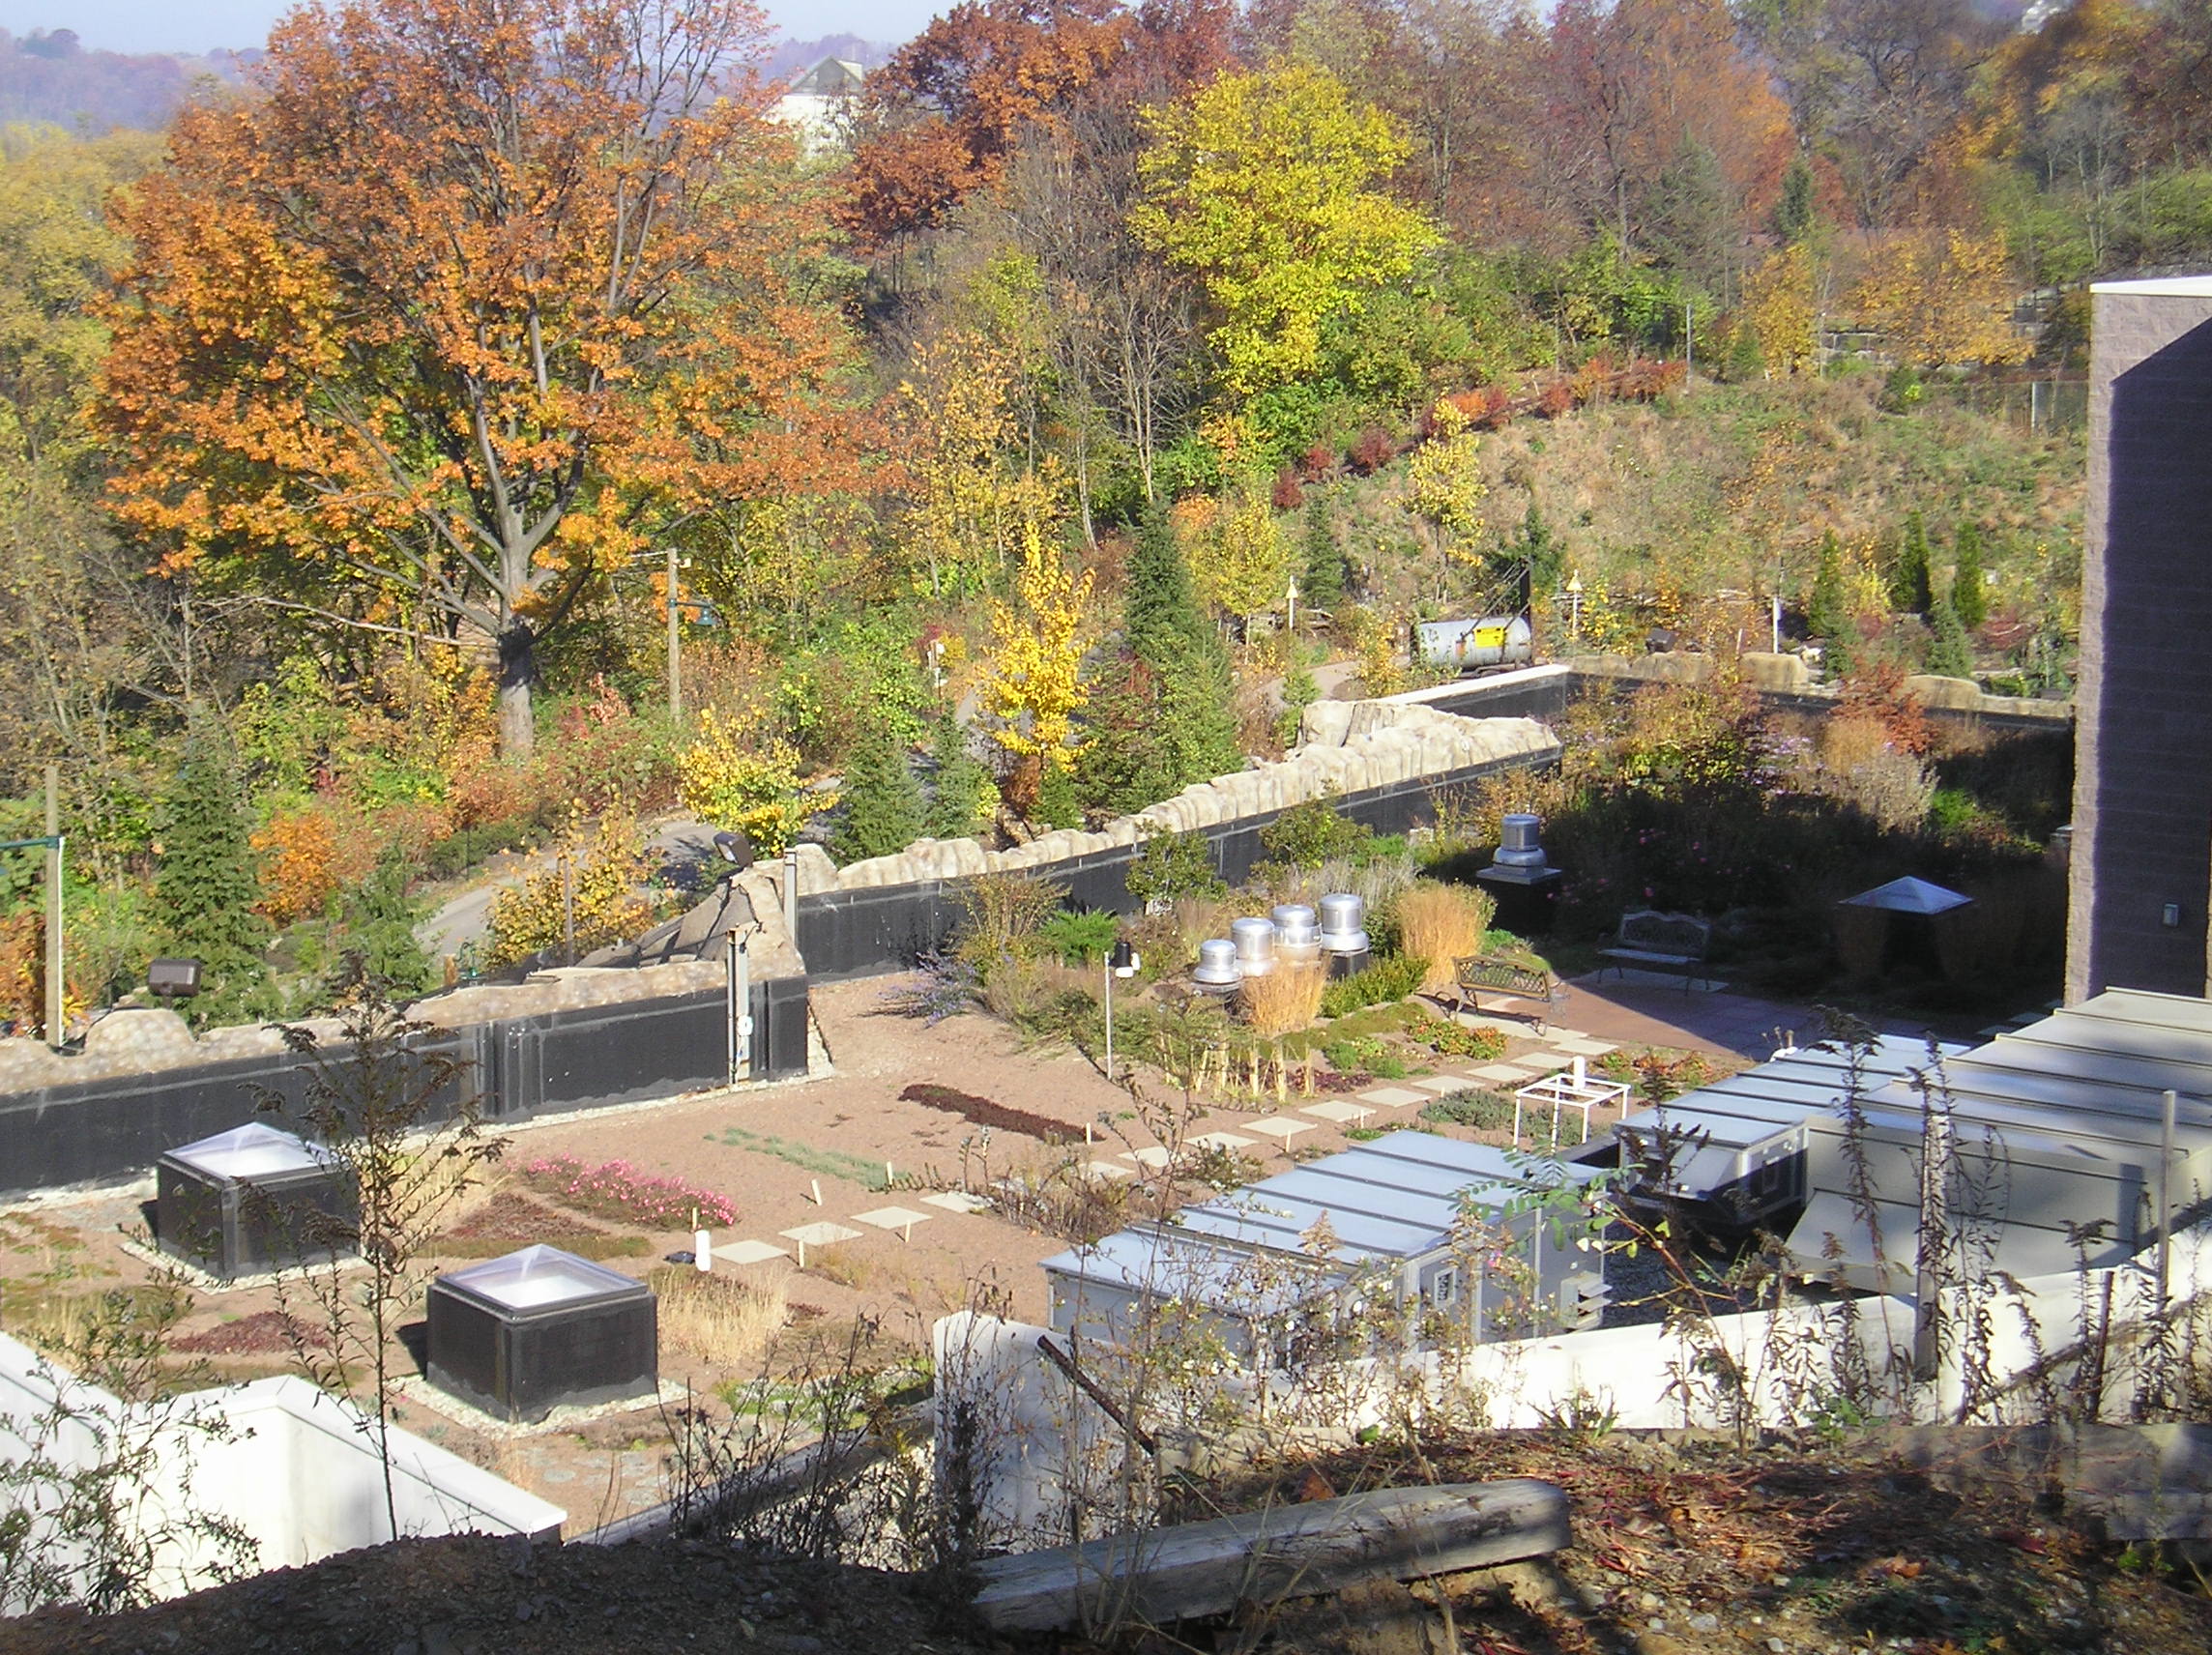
(617, 1190)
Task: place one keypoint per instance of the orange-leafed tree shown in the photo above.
(475, 299)
(942, 118)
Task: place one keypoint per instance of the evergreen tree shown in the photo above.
(1321, 585)
(1969, 590)
(376, 928)
(962, 797)
(1827, 607)
(1910, 590)
(1949, 654)
(1161, 621)
(1057, 804)
(1794, 213)
(205, 889)
(1183, 727)
(1534, 560)
(883, 801)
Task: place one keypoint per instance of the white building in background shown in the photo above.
(820, 101)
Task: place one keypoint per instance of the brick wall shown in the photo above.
(2143, 803)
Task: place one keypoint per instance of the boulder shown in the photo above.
(1786, 675)
(1958, 694)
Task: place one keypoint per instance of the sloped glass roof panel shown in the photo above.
(254, 1151)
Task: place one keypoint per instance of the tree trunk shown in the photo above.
(517, 671)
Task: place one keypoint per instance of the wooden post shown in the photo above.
(1935, 1155)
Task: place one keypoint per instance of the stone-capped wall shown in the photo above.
(1348, 746)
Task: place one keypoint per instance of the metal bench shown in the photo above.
(1474, 976)
(1652, 940)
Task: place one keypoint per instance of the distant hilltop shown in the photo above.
(50, 76)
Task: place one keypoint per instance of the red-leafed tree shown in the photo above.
(940, 120)
(473, 303)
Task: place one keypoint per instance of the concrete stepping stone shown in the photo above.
(750, 1252)
(1501, 1074)
(1443, 1084)
(819, 1234)
(1222, 1140)
(1578, 1047)
(1278, 1126)
(957, 1200)
(902, 1219)
(1152, 1155)
(1104, 1169)
(1390, 1097)
(1339, 1114)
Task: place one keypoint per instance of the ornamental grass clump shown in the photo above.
(1442, 923)
(1286, 999)
(617, 1190)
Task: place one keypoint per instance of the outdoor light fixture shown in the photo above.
(736, 849)
(173, 979)
(1122, 962)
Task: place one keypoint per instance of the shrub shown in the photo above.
(301, 865)
(1080, 939)
(1310, 834)
(1287, 494)
(1453, 1040)
(1384, 981)
(617, 1190)
(1169, 866)
(1483, 1108)
(1284, 1000)
(597, 898)
(1371, 450)
(750, 783)
(1442, 923)
(1002, 916)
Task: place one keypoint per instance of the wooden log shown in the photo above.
(1285, 1551)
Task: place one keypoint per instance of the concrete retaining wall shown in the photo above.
(296, 1469)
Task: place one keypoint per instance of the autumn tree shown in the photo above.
(1265, 184)
(1780, 308)
(968, 497)
(475, 299)
(940, 120)
(1942, 295)
(1036, 684)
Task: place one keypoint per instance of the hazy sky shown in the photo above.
(195, 25)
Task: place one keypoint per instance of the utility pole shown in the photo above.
(675, 648)
(54, 1006)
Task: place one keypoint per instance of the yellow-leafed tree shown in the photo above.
(1781, 306)
(1942, 296)
(1035, 683)
(1243, 562)
(1264, 183)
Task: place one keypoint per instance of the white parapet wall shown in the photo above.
(295, 1469)
(2008, 1354)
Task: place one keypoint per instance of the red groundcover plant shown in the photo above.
(617, 1190)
